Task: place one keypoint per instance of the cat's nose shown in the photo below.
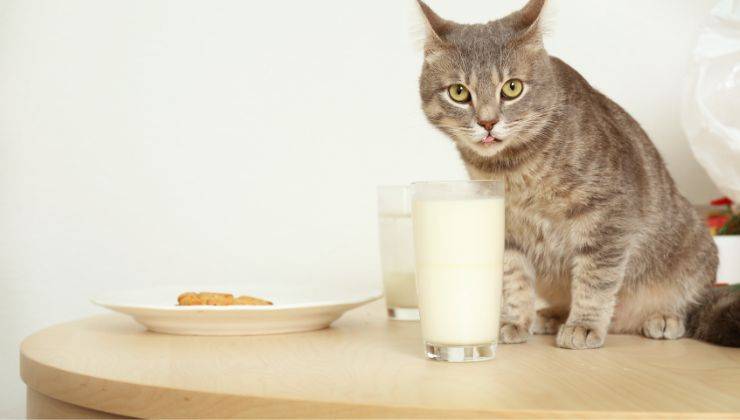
(487, 124)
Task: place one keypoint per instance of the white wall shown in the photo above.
(158, 142)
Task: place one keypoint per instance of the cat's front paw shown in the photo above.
(513, 334)
(578, 337)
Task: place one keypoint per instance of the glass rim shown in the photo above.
(471, 181)
(389, 186)
(467, 190)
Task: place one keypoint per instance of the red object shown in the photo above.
(717, 221)
(724, 201)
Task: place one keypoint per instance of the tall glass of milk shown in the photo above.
(397, 252)
(459, 248)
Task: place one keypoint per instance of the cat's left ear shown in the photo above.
(527, 21)
(435, 28)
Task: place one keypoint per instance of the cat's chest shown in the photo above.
(536, 226)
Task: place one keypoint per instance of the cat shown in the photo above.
(595, 225)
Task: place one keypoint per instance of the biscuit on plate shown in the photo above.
(205, 298)
(253, 301)
(218, 299)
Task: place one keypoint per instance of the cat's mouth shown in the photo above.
(487, 145)
(489, 140)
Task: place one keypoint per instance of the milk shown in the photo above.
(400, 289)
(459, 245)
(397, 261)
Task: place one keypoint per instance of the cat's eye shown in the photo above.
(459, 93)
(512, 89)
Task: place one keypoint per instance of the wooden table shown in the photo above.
(364, 366)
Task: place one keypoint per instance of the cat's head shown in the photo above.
(488, 86)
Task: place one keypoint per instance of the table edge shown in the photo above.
(100, 394)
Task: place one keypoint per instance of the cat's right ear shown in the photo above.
(527, 22)
(435, 29)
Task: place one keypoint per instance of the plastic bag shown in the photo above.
(711, 112)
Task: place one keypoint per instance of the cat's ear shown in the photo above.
(435, 29)
(527, 22)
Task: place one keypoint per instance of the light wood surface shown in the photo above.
(39, 406)
(368, 366)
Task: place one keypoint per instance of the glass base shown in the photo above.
(403, 314)
(473, 353)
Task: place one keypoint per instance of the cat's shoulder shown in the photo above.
(566, 73)
(596, 106)
(575, 85)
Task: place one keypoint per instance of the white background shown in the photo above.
(156, 142)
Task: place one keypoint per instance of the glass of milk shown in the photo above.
(397, 252)
(459, 247)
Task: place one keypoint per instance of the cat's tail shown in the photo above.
(716, 317)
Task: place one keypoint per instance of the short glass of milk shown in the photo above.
(397, 252)
(459, 249)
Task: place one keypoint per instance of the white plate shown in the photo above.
(295, 309)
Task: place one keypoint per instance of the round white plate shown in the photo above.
(295, 309)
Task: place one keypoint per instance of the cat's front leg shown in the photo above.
(597, 275)
(517, 312)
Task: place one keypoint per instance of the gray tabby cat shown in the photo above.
(592, 214)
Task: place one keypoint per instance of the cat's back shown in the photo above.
(608, 136)
(618, 160)
(594, 108)
(578, 94)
